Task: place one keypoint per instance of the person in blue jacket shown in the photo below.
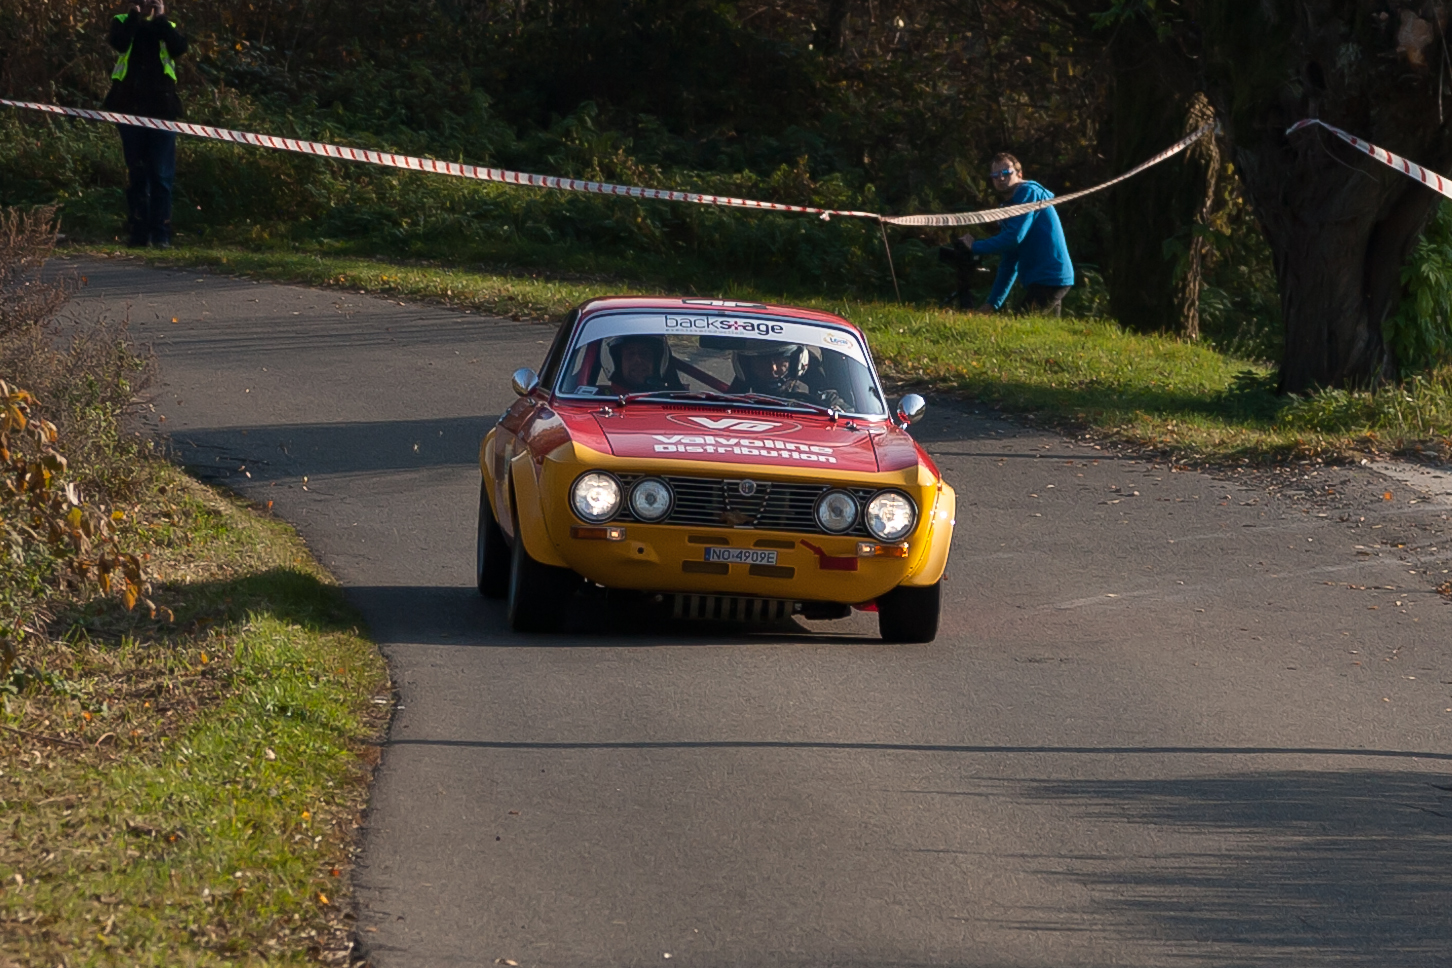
(1030, 247)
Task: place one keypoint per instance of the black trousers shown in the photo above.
(150, 169)
(1045, 300)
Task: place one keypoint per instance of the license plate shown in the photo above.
(741, 556)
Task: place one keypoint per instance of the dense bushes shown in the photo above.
(67, 469)
(895, 109)
(891, 106)
(1420, 333)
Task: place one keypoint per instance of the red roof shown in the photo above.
(695, 304)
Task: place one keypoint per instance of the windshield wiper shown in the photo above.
(704, 396)
(789, 403)
(712, 396)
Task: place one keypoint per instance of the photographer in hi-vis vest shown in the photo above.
(144, 83)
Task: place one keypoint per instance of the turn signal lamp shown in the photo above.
(866, 549)
(597, 534)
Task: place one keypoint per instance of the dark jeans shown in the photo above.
(151, 169)
(1045, 300)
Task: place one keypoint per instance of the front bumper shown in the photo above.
(809, 567)
(666, 559)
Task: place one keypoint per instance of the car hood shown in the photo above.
(739, 436)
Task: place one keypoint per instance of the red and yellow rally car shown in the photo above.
(729, 460)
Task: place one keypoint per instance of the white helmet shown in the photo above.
(795, 353)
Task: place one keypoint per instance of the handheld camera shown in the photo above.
(967, 263)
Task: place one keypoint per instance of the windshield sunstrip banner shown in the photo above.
(703, 324)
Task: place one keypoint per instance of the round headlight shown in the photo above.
(890, 516)
(650, 499)
(836, 511)
(596, 497)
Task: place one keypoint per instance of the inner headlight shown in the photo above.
(891, 516)
(836, 511)
(650, 500)
(596, 497)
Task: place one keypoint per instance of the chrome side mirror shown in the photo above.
(524, 381)
(911, 409)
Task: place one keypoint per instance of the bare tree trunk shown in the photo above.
(1204, 162)
(827, 38)
(1340, 225)
(1340, 231)
(1155, 258)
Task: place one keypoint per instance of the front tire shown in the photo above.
(491, 551)
(909, 614)
(537, 593)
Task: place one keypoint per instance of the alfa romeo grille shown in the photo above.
(705, 502)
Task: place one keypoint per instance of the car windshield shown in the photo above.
(709, 357)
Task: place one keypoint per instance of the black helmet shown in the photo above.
(657, 345)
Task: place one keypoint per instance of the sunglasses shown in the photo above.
(1001, 174)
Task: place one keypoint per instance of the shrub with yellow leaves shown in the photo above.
(41, 511)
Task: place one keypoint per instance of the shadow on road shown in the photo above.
(1292, 867)
(458, 616)
(936, 748)
(287, 450)
(278, 451)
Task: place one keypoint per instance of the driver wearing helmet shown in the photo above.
(780, 370)
(642, 363)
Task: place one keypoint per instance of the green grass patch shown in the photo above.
(1184, 399)
(187, 792)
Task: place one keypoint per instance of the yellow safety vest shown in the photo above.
(167, 64)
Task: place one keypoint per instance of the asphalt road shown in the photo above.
(1170, 718)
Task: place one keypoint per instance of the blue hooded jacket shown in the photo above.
(1031, 246)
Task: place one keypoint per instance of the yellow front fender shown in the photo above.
(940, 539)
(533, 529)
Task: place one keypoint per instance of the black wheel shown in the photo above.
(491, 551)
(910, 614)
(537, 593)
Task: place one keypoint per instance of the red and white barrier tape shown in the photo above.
(408, 162)
(1431, 179)
(411, 163)
(1009, 211)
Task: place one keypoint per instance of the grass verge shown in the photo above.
(187, 792)
(1179, 398)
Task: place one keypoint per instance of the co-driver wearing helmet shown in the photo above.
(781, 370)
(642, 364)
